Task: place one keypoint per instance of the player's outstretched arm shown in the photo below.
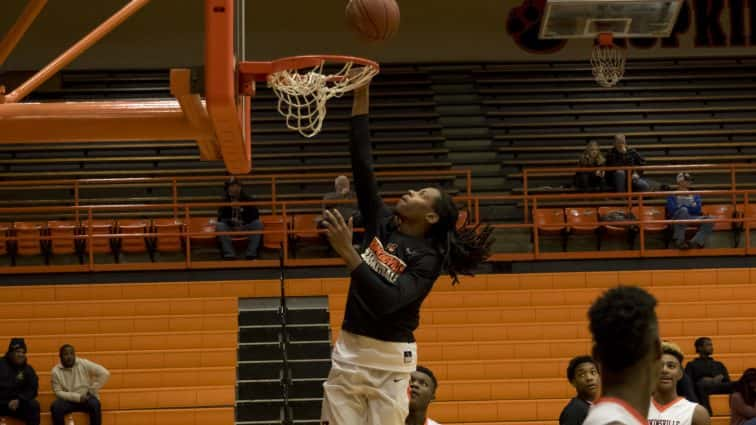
(371, 205)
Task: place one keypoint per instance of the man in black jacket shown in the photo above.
(622, 156)
(18, 385)
(708, 375)
(238, 218)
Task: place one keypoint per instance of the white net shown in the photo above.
(302, 95)
(608, 64)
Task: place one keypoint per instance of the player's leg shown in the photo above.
(344, 402)
(388, 398)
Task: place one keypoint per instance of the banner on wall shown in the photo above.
(701, 24)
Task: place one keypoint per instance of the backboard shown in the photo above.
(622, 18)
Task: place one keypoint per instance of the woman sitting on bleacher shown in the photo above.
(591, 181)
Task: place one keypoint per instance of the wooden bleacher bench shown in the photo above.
(338, 116)
(567, 162)
(645, 173)
(375, 106)
(592, 89)
(577, 112)
(347, 167)
(345, 128)
(638, 146)
(270, 97)
(626, 123)
(95, 146)
(630, 99)
(657, 77)
(345, 141)
(628, 134)
(650, 66)
(345, 154)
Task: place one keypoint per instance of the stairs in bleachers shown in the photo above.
(260, 368)
(500, 344)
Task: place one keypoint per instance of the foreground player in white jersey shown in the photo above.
(667, 408)
(627, 347)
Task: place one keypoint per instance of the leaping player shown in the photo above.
(404, 251)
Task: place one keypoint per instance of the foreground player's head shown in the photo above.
(433, 210)
(671, 368)
(422, 389)
(626, 340)
(582, 372)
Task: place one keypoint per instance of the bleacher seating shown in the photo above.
(172, 356)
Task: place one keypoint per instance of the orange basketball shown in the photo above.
(374, 20)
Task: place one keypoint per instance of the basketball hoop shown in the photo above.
(304, 84)
(608, 61)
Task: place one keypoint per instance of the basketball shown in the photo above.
(374, 20)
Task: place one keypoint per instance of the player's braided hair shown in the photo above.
(463, 249)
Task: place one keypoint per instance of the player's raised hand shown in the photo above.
(339, 232)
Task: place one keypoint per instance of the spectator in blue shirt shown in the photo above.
(687, 207)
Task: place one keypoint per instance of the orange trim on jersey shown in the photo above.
(661, 408)
(622, 403)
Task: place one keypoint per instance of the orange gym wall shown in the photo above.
(169, 33)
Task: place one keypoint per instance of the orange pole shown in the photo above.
(13, 36)
(76, 199)
(188, 245)
(525, 195)
(641, 227)
(74, 51)
(174, 194)
(468, 175)
(285, 252)
(273, 192)
(536, 249)
(89, 239)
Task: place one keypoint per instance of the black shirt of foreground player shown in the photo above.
(397, 271)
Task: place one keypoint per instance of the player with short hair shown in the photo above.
(627, 347)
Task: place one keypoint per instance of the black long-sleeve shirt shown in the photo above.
(397, 271)
(575, 412)
(238, 215)
(17, 383)
(706, 367)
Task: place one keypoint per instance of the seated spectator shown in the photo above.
(342, 192)
(591, 181)
(583, 374)
(666, 406)
(743, 400)
(708, 375)
(18, 385)
(685, 207)
(422, 390)
(236, 218)
(76, 383)
(622, 156)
